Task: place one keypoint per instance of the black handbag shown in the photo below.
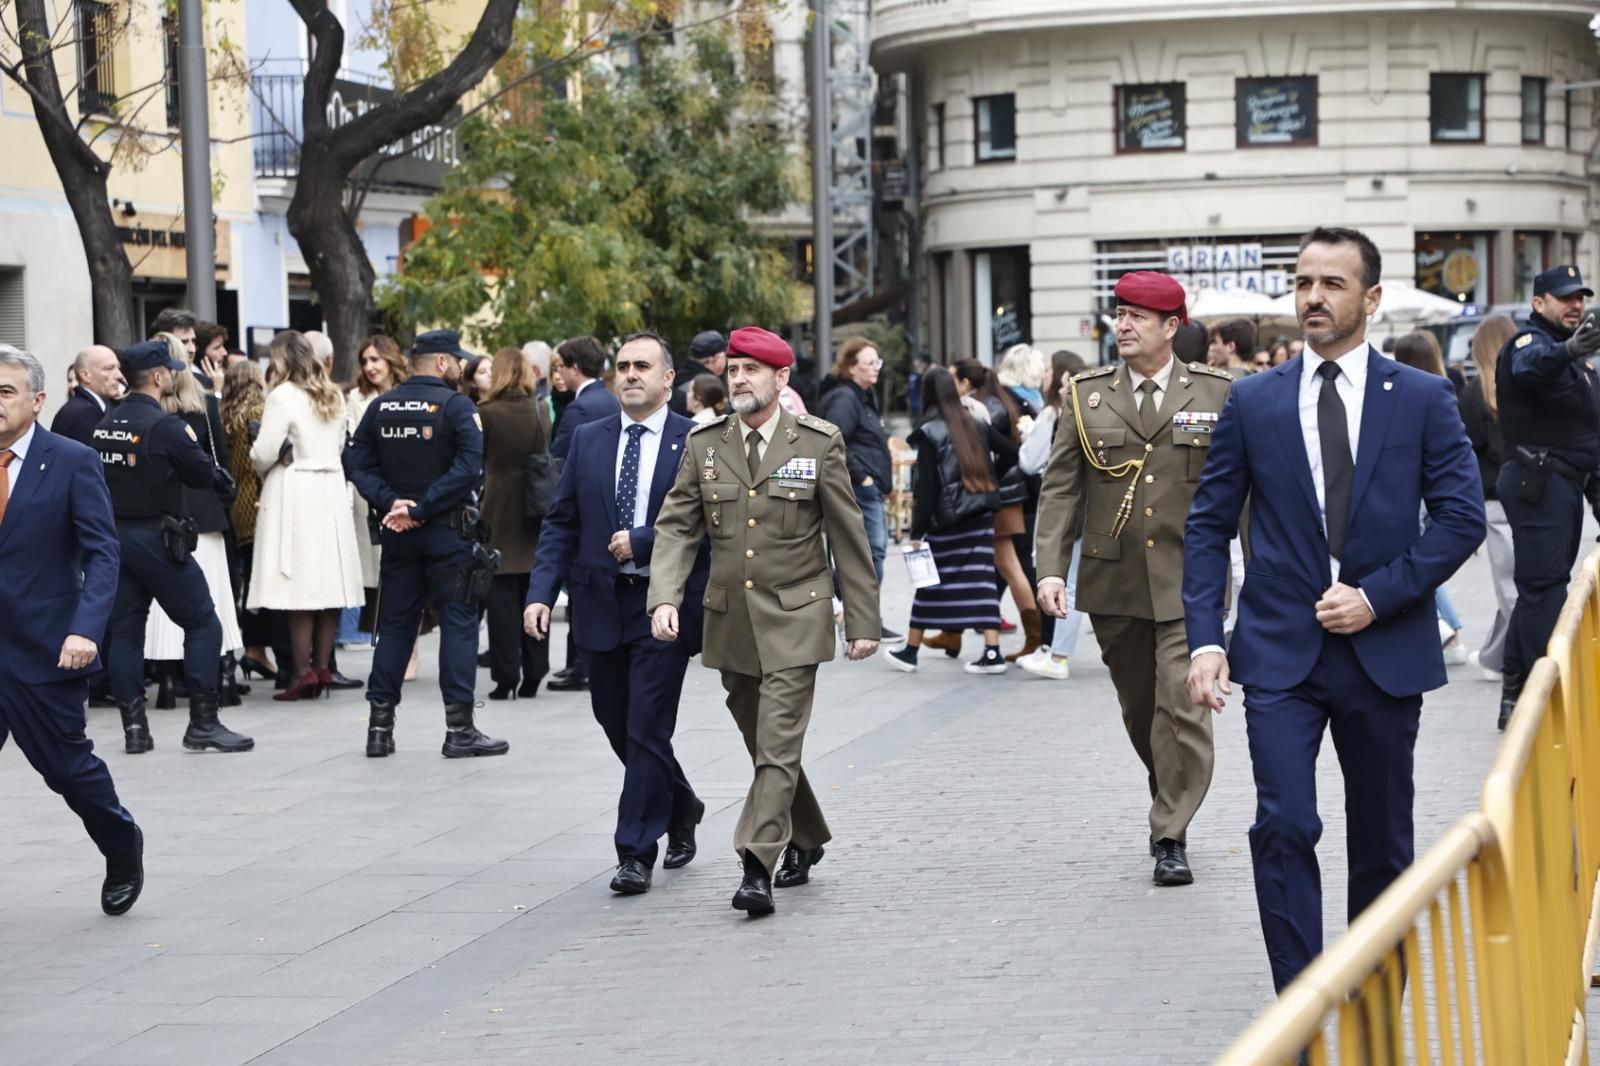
(540, 478)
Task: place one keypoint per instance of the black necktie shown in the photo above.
(1338, 469)
(628, 480)
(1149, 409)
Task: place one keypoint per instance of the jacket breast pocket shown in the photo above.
(1105, 442)
(1101, 546)
(1198, 445)
(716, 598)
(788, 499)
(817, 589)
(714, 500)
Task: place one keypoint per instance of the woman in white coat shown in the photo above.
(306, 562)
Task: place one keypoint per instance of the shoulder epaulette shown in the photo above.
(707, 425)
(1202, 368)
(821, 425)
(1094, 372)
(1524, 340)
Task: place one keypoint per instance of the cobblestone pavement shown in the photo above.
(987, 897)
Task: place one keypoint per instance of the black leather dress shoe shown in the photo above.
(340, 681)
(755, 891)
(681, 848)
(1510, 693)
(124, 878)
(1172, 864)
(633, 877)
(796, 866)
(570, 683)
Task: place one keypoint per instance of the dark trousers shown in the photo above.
(513, 655)
(1544, 547)
(414, 565)
(255, 627)
(47, 722)
(1374, 734)
(148, 573)
(634, 690)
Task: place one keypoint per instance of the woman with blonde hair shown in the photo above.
(512, 433)
(1481, 413)
(163, 638)
(244, 397)
(305, 550)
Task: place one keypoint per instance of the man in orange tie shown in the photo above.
(59, 556)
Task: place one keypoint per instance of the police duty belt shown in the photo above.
(1130, 468)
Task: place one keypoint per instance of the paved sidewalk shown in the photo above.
(987, 896)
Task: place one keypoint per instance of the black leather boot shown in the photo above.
(165, 699)
(228, 693)
(462, 739)
(1510, 692)
(205, 731)
(135, 728)
(380, 730)
(754, 896)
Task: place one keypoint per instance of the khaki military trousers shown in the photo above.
(1149, 663)
(772, 712)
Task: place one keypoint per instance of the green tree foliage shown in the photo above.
(627, 210)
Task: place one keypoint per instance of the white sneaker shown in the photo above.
(1483, 671)
(1455, 653)
(1045, 665)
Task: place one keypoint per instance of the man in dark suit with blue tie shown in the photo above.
(59, 555)
(597, 538)
(1338, 451)
(583, 366)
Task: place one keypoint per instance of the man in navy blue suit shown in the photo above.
(1338, 451)
(583, 366)
(59, 556)
(598, 537)
(97, 382)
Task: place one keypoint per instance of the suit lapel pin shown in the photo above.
(1183, 381)
(1094, 400)
(1387, 385)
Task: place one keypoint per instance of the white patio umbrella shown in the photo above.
(1401, 303)
(1209, 304)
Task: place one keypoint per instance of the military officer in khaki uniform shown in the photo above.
(766, 485)
(1126, 459)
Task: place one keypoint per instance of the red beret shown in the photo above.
(1158, 292)
(753, 342)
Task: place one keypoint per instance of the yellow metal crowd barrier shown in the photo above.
(1482, 951)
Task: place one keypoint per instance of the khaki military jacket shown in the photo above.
(769, 599)
(1138, 574)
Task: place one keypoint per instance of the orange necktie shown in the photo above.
(5, 480)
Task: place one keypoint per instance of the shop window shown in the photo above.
(1001, 295)
(1533, 90)
(938, 136)
(996, 119)
(1528, 261)
(1151, 118)
(169, 34)
(1456, 266)
(1456, 108)
(1566, 110)
(13, 320)
(1275, 112)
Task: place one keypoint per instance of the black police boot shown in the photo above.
(228, 693)
(135, 728)
(205, 731)
(165, 700)
(1510, 692)
(380, 730)
(462, 739)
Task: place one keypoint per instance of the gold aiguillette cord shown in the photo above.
(1122, 469)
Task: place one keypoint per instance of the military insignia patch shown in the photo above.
(477, 420)
(1524, 340)
(190, 430)
(1094, 400)
(427, 431)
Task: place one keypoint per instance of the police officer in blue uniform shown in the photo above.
(417, 458)
(1549, 398)
(148, 457)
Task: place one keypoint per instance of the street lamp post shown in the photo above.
(821, 188)
(195, 128)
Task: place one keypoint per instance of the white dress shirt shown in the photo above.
(649, 450)
(1162, 378)
(1351, 385)
(97, 398)
(20, 450)
(586, 383)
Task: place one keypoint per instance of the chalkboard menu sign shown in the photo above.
(1150, 118)
(1276, 111)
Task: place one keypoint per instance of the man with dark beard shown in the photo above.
(766, 484)
(1549, 399)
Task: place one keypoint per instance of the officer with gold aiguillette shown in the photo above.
(1127, 457)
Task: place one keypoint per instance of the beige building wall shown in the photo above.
(37, 234)
(1069, 193)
